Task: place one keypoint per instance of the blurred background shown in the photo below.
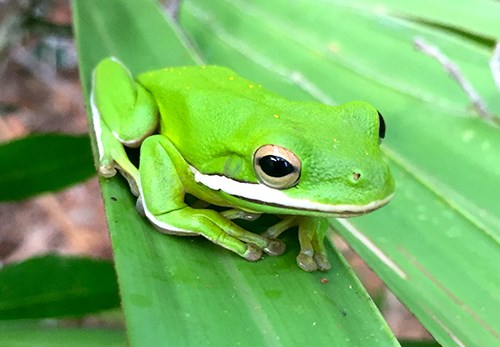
(40, 93)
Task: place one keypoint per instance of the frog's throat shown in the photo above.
(260, 193)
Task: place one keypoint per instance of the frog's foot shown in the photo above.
(312, 254)
(322, 262)
(107, 168)
(275, 247)
(252, 253)
(306, 262)
(309, 263)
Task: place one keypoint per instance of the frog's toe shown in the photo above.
(107, 169)
(275, 247)
(252, 253)
(139, 206)
(322, 262)
(306, 262)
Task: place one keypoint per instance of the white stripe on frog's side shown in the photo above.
(267, 195)
(96, 120)
(162, 226)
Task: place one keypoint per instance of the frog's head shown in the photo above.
(317, 160)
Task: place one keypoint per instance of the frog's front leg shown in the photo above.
(312, 231)
(123, 113)
(162, 194)
(312, 256)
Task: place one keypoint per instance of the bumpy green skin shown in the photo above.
(211, 122)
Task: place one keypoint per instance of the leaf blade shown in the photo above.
(41, 163)
(55, 286)
(29, 333)
(434, 142)
(191, 280)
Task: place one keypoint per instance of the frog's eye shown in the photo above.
(381, 128)
(276, 166)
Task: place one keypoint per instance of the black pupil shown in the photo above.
(381, 129)
(275, 166)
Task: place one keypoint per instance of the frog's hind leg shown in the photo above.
(162, 172)
(124, 113)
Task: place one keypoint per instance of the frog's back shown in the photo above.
(186, 79)
(200, 104)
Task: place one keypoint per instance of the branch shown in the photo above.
(495, 65)
(456, 74)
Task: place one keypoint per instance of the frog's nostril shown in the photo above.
(354, 176)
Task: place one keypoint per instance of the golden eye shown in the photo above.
(276, 166)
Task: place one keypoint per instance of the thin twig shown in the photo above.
(495, 65)
(172, 8)
(43, 71)
(455, 73)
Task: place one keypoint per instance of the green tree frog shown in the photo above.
(227, 141)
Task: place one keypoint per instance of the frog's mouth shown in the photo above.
(262, 194)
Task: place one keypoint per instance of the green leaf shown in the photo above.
(188, 291)
(55, 286)
(410, 343)
(477, 17)
(41, 163)
(40, 334)
(437, 244)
